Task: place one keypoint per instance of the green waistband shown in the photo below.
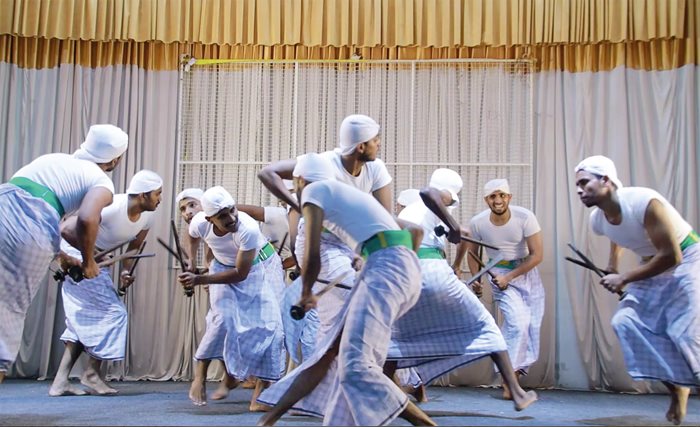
(431, 253)
(690, 240)
(266, 252)
(509, 265)
(386, 239)
(38, 190)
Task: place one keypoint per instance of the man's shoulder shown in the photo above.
(521, 212)
(481, 216)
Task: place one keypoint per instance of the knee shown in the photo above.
(622, 321)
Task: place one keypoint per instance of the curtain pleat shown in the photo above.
(362, 23)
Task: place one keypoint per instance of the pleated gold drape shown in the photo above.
(571, 35)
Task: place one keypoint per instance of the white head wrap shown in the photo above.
(103, 144)
(496, 185)
(144, 181)
(447, 179)
(215, 199)
(406, 197)
(601, 166)
(313, 167)
(355, 130)
(192, 193)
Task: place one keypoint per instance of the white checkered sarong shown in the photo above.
(274, 275)
(212, 344)
(355, 390)
(447, 328)
(336, 261)
(658, 324)
(254, 341)
(299, 335)
(522, 305)
(29, 239)
(95, 316)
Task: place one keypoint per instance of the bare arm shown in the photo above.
(272, 175)
(244, 262)
(614, 259)
(383, 196)
(415, 230)
(433, 200)
(256, 212)
(87, 223)
(135, 245)
(191, 250)
(313, 226)
(668, 253)
(459, 257)
(293, 217)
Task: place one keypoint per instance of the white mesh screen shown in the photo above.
(473, 116)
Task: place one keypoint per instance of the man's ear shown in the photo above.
(361, 147)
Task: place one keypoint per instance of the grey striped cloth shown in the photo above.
(447, 328)
(254, 342)
(95, 316)
(29, 239)
(522, 305)
(355, 390)
(658, 324)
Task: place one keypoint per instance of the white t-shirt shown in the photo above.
(418, 213)
(276, 228)
(510, 237)
(68, 177)
(225, 248)
(630, 233)
(373, 176)
(355, 213)
(115, 226)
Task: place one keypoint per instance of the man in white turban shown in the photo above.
(406, 197)
(658, 319)
(96, 319)
(32, 204)
(241, 291)
(517, 287)
(343, 380)
(355, 163)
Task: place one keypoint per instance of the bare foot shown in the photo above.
(506, 392)
(2, 376)
(91, 380)
(228, 384)
(198, 393)
(523, 401)
(65, 388)
(420, 394)
(259, 407)
(248, 383)
(679, 405)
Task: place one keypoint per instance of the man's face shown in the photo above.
(226, 219)
(189, 208)
(590, 188)
(370, 149)
(498, 202)
(113, 164)
(152, 199)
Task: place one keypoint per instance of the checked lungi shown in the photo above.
(254, 341)
(212, 344)
(658, 324)
(95, 316)
(355, 390)
(299, 335)
(447, 328)
(522, 305)
(29, 240)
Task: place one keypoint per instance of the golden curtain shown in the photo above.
(362, 23)
(573, 35)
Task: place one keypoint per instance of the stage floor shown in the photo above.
(26, 402)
